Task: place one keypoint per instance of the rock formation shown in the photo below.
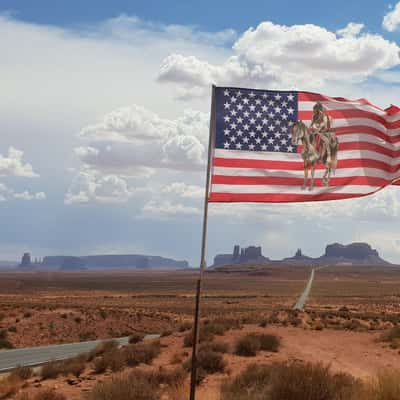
(251, 254)
(112, 261)
(26, 261)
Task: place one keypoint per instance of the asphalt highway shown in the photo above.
(33, 356)
(304, 296)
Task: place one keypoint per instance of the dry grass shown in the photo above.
(9, 386)
(74, 366)
(136, 338)
(290, 381)
(136, 354)
(47, 394)
(392, 336)
(249, 345)
(137, 385)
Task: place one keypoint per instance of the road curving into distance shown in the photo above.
(34, 356)
(304, 296)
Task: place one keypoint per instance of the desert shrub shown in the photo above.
(247, 345)
(253, 383)
(165, 376)
(5, 344)
(392, 336)
(103, 314)
(269, 343)
(52, 369)
(78, 320)
(115, 360)
(135, 386)
(46, 394)
(250, 344)
(165, 333)
(185, 326)
(100, 365)
(263, 323)
(206, 333)
(103, 347)
(136, 338)
(290, 381)
(75, 365)
(12, 328)
(136, 354)
(208, 362)
(385, 387)
(218, 347)
(22, 372)
(9, 386)
(27, 314)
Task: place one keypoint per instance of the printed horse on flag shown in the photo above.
(327, 153)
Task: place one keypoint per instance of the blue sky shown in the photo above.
(208, 15)
(104, 114)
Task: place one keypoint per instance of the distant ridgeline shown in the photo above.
(336, 254)
(126, 261)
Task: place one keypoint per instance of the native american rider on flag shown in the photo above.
(320, 129)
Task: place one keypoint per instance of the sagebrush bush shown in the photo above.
(22, 372)
(136, 338)
(290, 381)
(139, 353)
(218, 347)
(250, 344)
(74, 366)
(51, 369)
(103, 347)
(47, 394)
(247, 346)
(269, 343)
(392, 336)
(135, 386)
(208, 362)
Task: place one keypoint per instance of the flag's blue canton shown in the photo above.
(256, 120)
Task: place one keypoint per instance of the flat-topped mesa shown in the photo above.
(353, 251)
(134, 261)
(248, 255)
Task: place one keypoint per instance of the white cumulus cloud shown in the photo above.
(279, 56)
(12, 164)
(391, 20)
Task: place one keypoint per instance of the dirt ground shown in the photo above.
(357, 353)
(348, 310)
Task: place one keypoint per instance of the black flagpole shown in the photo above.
(196, 325)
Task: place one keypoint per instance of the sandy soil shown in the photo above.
(357, 353)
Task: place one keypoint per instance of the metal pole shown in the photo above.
(196, 325)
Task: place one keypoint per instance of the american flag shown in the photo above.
(254, 159)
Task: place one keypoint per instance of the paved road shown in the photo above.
(304, 296)
(33, 356)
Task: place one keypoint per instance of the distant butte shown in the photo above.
(335, 254)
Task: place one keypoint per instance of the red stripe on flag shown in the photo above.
(294, 181)
(347, 114)
(306, 96)
(298, 165)
(277, 197)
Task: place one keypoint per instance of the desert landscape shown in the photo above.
(350, 325)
